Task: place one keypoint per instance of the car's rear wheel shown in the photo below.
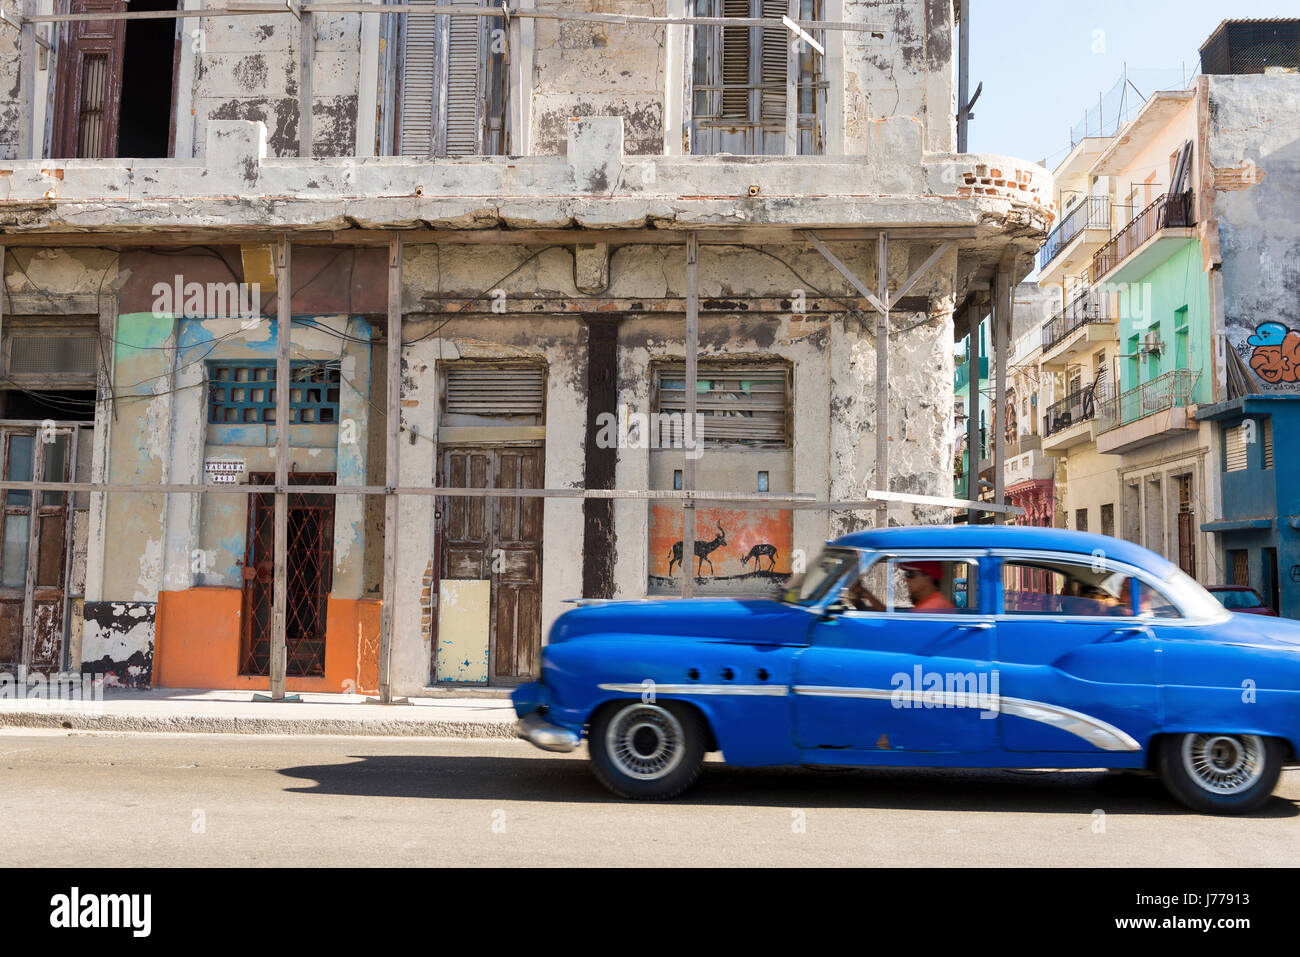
(647, 751)
(1221, 773)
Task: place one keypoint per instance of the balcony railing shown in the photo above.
(1083, 309)
(1164, 212)
(1078, 406)
(1168, 391)
(1092, 213)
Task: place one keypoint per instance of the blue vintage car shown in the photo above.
(959, 646)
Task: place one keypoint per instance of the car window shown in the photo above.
(1153, 603)
(824, 572)
(1050, 587)
(1238, 599)
(916, 584)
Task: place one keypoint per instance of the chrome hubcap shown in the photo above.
(645, 741)
(1223, 763)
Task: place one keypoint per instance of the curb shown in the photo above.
(192, 724)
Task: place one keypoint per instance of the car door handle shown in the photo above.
(1123, 634)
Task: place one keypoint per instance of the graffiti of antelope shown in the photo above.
(702, 550)
(763, 550)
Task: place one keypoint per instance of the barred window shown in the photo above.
(740, 404)
(244, 392)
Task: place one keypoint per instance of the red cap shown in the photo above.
(932, 569)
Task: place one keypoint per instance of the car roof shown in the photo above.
(1009, 536)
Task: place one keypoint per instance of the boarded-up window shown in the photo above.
(1234, 449)
(452, 95)
(740, 77)
(494, 391)
(739, 404)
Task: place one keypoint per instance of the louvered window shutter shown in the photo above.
(1268, 443)
(735, 62)
(486, 390)
(740, 405)
(419, 63)
(1234, 449)
(461, 104)
(773, 68)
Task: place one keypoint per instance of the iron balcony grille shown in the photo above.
(1082, 310)
(1078, 406)
(1164, 212)
(1168, 391)
(1092, 213)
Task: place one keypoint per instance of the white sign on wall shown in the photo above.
(224, 471)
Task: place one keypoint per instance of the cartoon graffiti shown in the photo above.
(762, 550)
(1276, 355)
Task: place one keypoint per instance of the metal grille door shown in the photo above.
(310, 575)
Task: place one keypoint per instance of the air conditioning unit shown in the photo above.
(1151, 344)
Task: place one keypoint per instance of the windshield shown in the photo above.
(1191, 598)
(825, 571)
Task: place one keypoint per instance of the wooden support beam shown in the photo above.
(844, 270)
(973, 409)
(392, 464)
(692, 374)
(280, 590)
(792, 86)
(882, 377)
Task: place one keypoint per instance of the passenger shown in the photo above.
(922, 588)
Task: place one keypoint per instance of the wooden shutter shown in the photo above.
(419, 62)
(735, 62)
(1234, 450)
(461, 107)
(773, 69)
(741, 404)
(1268, 442)
(89, 85)
(488, 390)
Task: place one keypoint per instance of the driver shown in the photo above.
(922, 588)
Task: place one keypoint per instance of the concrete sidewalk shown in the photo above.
(471, 713)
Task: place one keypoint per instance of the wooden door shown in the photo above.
(34, 528)
(89, 85)
(500, 540)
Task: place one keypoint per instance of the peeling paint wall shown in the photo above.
(117, 642)
(15, 101)
(247, 69)
(1253, 180)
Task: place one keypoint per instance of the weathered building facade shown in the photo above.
(514, 256)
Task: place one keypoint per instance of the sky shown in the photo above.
(1044, 62)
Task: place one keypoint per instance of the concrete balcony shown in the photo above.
(1156, 233)
(1149, 413)
(1071, 245)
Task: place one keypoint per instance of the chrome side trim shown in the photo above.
(1096, 732)
(1093, 730)
(652, 687)
(547, 736)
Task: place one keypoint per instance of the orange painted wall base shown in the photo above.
(197, 640)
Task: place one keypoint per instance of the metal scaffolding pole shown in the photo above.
(692, 375)
(392, 478)
(998, 407)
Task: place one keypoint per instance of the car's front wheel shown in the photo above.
(1221, 773)
(646, 751)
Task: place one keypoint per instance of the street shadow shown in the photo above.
(569, 781)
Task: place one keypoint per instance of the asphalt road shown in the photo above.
(88, 799)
